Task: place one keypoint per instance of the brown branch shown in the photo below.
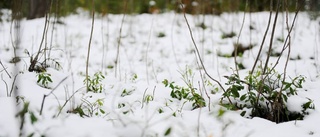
(46, 95)
(89, 47)
(271, 39)
(198, 53)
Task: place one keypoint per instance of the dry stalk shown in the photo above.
(117, 62)
(198, 53)
(237, 45)
(89, 47)
(271, 38)
(46, 95)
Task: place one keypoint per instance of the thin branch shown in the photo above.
(13, 83)
(65, 103)
(198, 53)
(263, 40)
(286, 43)
(6, 84)
(147, 50)
(34, 60)
(237, 45)
(46, 95)
(117, 62)
(89, 47)
(271, 39)
(5, 69)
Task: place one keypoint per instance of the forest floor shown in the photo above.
(135, 63)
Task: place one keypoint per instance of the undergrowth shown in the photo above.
(189, 92)
(265, 96)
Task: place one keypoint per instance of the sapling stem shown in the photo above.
(46, 95)
(89, 47)
(117, 62)
(198, 53)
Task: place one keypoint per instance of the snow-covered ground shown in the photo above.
(134, 101)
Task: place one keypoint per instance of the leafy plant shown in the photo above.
(126, 92)
(266, 97)
(161, 35)
(89, 109)
(44, 79)
(148, 98)
(134, 77)
(189, 94)
(94, 84)
(228, 35)
(25, 114)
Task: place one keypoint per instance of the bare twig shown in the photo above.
(5, 69)
(89, 47)
(65, 103)
(117, 62)
(238, 38)
(46, 95)
(279, 95)
(33, 61)
(271, 38)
(143, 96)
(6, 84)
(147, 50)
(172, 43)
(13, 83)
(198, 53)
(287, 41)
(264, 38)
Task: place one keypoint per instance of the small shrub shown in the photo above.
(266, 97)
(89, 109)
(189, 94)
(94, 84)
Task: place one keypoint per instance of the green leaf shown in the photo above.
(221, 112)
(243, 97)
(165, 82)
(100, 102)
(235, 92)
(102, 111)
(39, 78)
(285, 97)
(33, 118)
(168, 131)
(31, 135)
(287, 86)
(243, 113)
(160, 111)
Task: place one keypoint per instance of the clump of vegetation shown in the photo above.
(89, 109)
(95, 83)
(228, 35)
(266, 96)
(44, 79)
(187, 93)
(161, 35)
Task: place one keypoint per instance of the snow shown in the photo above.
(151, 59)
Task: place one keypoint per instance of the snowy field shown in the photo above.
(134, 101)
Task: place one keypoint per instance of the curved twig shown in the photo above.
(198, 53)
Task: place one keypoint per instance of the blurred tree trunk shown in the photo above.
(38, 8)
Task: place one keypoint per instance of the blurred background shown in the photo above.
(37, 8)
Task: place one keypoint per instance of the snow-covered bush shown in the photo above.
(266, 96)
